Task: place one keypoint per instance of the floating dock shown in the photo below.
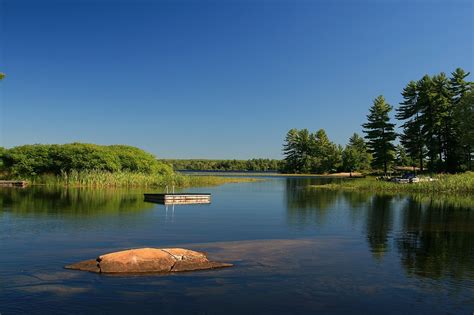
(178, 198)
(13, 183)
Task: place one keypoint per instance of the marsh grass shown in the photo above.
(101, 179)
(456, 183)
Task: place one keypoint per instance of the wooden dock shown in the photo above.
(13, 183)
(178, 198)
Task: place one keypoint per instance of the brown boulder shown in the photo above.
(148, 260)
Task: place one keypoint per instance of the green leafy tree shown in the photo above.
(356, 156)
(2, 75)
(380, 134)
(38, 159)
(307, 152)
(402, 158)
(350, 160)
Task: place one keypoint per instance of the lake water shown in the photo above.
(296, 251)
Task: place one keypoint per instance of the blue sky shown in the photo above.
(215, 79)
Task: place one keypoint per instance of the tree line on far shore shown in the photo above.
(437, 122)
(252, 165)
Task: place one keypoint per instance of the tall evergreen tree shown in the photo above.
(412, 136)
(444, 125)
(290, 151)
(380, 133)
(462, 115)
(429, 119)
(465, 117)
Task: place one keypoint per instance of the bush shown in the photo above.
(39, 159)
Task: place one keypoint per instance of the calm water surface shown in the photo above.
(296, 250)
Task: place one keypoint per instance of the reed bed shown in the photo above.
(445, 183)
(101, 179)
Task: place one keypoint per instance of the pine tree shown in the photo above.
(412, 136)
(380, 133)
(444, 127)
(428, 119)
(463, 117)
(355, 155)
(464, 114)
(290, 151)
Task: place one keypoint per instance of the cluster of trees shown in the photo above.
(437, 122)
(38, 159)
(255, 165)
(307, 152)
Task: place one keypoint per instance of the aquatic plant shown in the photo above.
(444, 183)
(100, 178)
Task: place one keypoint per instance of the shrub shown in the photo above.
(39, 159)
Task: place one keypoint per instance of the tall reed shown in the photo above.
(97, 178)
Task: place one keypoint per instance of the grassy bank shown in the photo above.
(129, 179)
(457, 183)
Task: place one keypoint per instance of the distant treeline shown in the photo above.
(55, 159)
(255, 165)
(437, 121)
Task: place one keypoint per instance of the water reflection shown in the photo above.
(379, 223)
(304, 206)
(437, 241)
(303, 247)
(70, 201)
(432, 235)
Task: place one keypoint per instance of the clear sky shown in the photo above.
(215, 79)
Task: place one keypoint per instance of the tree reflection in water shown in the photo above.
(436, 240)
(305, 206)
(70, 201)
(432, 235)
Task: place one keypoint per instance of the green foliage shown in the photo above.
(444, 183)
(464, 114)
(2, 152)
(2, 75)
(412, 136)
(105, 179)
(355, 156)
(39, 159)
(253, 165)
(380, 134)
(306, 152)
(437, 121)
(402, 158)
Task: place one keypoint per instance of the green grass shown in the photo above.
(457, 183)
(129, 179)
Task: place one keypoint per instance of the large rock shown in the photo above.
(148, 260)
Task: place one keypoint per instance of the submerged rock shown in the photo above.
(148, 260)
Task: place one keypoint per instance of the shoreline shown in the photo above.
(444, 184)
(263, 174)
